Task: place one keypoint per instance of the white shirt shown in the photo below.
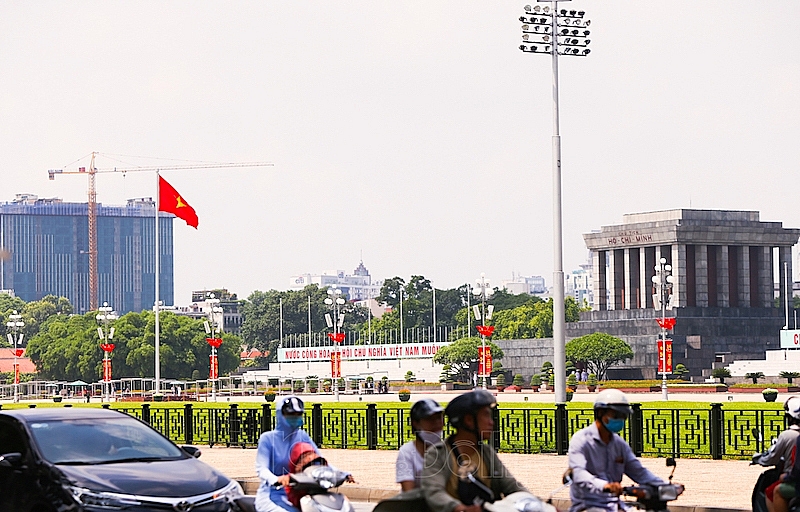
(409, 464)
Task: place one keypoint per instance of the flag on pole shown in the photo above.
(170, 201)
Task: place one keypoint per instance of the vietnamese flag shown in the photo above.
(170, 201)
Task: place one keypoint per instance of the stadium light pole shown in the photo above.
(14, 324)
(556, 32)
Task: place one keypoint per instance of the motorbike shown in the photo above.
(318, 483)
(758, 499)
(655, 497)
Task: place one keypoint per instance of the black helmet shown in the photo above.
(292, 405)
(424, 409)
(468, 403)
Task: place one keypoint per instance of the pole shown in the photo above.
(336, 345)
(469, 312)
(400, 356)
(664, 288)
(158, 283)
(483, 337)
(559, 339)
(786, 294)
(434, 315)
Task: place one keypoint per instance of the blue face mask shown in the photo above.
(294, 421)
(615, 425)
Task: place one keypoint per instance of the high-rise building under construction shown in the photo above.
(44, 246)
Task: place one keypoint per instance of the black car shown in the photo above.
(83, 459)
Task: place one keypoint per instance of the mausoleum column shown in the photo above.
(611, 282)
(785, 266)
(765, 281)
(646, 284)
(723, 285)
(599, 280)
(744, 277)
(701, 275)
(679, 275)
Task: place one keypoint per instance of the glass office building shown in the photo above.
(46, 251)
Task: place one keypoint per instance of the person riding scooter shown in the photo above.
(459, 471)
(778, 455)
(598, 457)
(427, 423)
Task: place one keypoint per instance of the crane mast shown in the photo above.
(92, 206)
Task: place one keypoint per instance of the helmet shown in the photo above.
(292, 405)
(300, 449)
(613, 399)
(468, 403)
(424, 409)
(792, 407)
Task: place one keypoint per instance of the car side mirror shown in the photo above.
(192, 450)
(10, 460)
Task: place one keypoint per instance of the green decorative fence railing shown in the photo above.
(703, 432)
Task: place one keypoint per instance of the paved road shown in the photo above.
(709, 483)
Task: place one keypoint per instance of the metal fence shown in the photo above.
(703, 432)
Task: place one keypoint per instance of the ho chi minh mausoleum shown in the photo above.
(724, 269)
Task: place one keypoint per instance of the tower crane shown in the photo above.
(91, 172)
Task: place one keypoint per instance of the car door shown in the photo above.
(17, 475)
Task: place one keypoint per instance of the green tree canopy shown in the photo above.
(599, 351)
(533, 319)
(462, 356)
(68, 348)
(33, 313)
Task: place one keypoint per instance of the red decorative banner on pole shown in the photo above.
(665, 356)
(336, 365)
(16, 374)
(485, 330)
(18, 352)
(213, 373)
(666, 323)
(107, 347)
(484, 361)
(107, 370)
(336, 337)
(214, 342)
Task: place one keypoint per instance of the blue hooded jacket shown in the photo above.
(272, 458)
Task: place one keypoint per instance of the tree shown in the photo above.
(462, 356)
(534, 319)
(33, 313)
(599, 351)
(721, 373)
(67, 347)
(502, 299)
(789, 376)
(754, 376)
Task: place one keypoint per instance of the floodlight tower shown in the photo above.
(556, 32)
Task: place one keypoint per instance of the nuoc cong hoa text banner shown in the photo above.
(360, 352)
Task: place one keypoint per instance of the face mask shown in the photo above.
(294, 421)
(615, 425)
(429, 437)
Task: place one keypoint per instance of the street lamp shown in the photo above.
(213, 327)
(483, 291)
(334, 302)
(556, 32)
(662, 298)
(104, 317)
(14, 324)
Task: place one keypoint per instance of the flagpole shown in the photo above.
(158, 295)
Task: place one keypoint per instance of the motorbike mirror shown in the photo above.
(671, 462)
(757, 434)
(566, 479)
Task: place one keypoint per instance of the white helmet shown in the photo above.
(613, 399)
(792, 407)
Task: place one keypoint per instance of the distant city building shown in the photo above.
(200, 308)
(533, 285)
(45, 249)
(358, 286)
(579, 285)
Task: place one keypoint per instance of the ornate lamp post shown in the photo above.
(213, 328)
(334, 302)
(104, 317)
(662, 298)
(14, 324)
(483, 291)
(556, 32)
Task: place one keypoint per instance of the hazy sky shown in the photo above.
(416, 132)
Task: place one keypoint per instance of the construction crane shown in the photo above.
(91, 172)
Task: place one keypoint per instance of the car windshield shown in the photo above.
(101, 441)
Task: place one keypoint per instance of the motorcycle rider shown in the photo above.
(273, 455)
(448, 463)
(427, 422)
(598, 457)
(780, 453)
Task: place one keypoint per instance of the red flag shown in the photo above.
(170, 201)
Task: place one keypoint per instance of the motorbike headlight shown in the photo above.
(107, 500)
(529, 505)
(667, 492)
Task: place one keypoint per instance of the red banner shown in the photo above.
(213, 372)
(106, 370)
(666, 323)
(16, 374)
(336, 337)
(336, 365)
(107, 347)
(484, 361)
(665, 356)
(485, 330)
(214, 342)
(18, 352)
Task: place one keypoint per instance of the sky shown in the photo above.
(415, 135)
